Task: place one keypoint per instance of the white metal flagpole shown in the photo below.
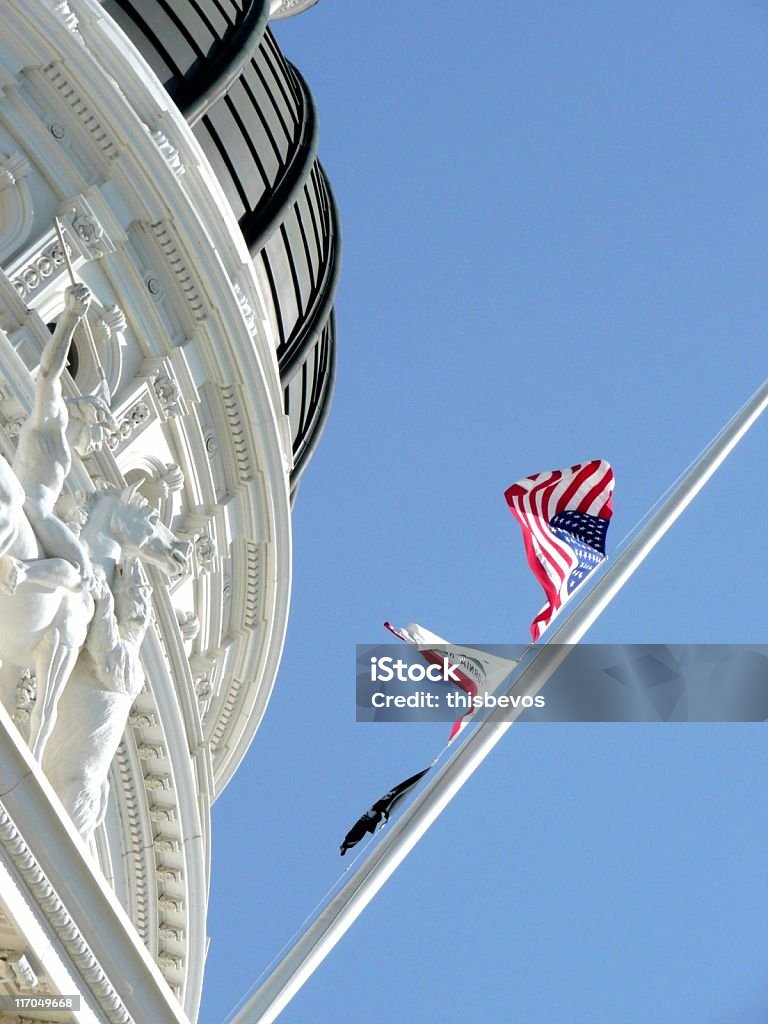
(317, 940)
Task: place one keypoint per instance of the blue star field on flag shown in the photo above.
(585, 536)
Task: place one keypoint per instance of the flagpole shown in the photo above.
(314, 944)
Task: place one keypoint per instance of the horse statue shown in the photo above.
(45, 614)
(49, 574)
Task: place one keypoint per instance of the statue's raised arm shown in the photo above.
(77, 299)
(43, 457)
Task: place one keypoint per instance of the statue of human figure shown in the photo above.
(43, 461)
(94, 707)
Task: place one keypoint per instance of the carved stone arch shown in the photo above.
(16, 209)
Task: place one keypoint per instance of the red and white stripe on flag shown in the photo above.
(534, 501)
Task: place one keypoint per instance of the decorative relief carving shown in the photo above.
(167, 393)
(170, 152)
(169, 962)
(165, 240)
(225, 715)
(16, 968)
(203, 668)
(154, 288)
(45, 262)
(205, 552)
(166, 874)
(248, 597)
(238, 433)
(157, 783)
(252, 585)
(163, 387)
(89, 230)
(69, 96)
(158, 813)
(137, 842)
(198, 529)
(147, 751)
(61, 922)
(138, 416)
(203, 689)
(165, 844)
(142, 719)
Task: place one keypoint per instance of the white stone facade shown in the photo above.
(185, 351)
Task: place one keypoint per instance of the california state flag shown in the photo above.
(475, 672)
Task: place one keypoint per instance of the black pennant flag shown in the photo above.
(379, 813)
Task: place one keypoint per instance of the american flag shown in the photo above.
(564, 517)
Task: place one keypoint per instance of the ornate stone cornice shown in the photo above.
(139, 860)
(69, 95)
(166, 241)
(60, 921)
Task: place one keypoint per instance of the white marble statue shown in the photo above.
(43, 456)
(47, 573)
(93, 710)
(42, 628)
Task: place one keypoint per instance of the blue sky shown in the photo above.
(555, 231)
